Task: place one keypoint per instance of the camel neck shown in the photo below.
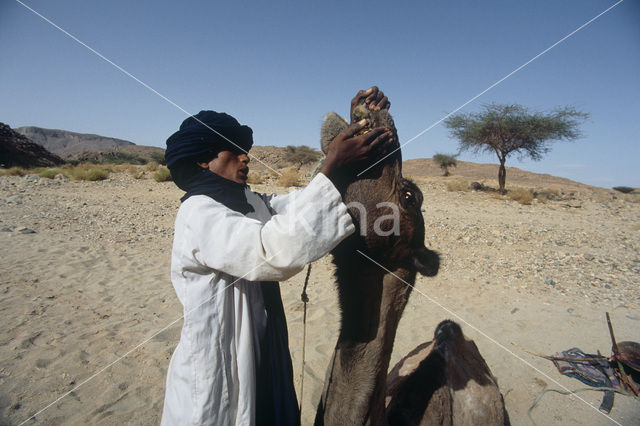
(372, 303)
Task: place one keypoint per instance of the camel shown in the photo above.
(373, 267)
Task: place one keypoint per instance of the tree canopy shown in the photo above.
(301, 154)
(445, 161)
(505, 129)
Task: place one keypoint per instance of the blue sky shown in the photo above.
(280, 66)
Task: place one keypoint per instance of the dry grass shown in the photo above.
(272, 173)
(151, 167)
(547, 194)
(543, 199)
(120, 168)
(521, 195)
(50, 173)
(458, 185)
(13, 171)
(89, 171)
(289, 177)
(254, 179)
(162, 175)
(632, 198)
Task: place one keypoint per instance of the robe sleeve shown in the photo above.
(306, 226)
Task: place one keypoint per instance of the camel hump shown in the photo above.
(446, 381)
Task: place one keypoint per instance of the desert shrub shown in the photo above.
(633, 198)
(521, 195)
(255, 178)
(120, 168)
(162, 175)
(158, 157)
(445, 161)
(542, 198)
(135, 172)
(13, 171)
(151, 166)
(52, 172)
(458, 185)
(117, 157)
(289, 177)
(547, 194)
(97, 173)
(624, 189)
(301, 155)
(93, 173)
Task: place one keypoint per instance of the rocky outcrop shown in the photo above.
(17, 150)
(84, 147)
(64, 142)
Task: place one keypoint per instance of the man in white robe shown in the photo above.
(232, 363)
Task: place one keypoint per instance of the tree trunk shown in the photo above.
(502, 177)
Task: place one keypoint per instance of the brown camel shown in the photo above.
(386, 209)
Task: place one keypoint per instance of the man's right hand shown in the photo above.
(348, 147)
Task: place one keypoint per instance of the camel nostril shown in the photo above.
(426, 261)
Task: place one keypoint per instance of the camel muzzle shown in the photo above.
(426, 261)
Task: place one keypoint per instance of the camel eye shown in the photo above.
(409, 198)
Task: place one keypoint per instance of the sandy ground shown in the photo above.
(91, 285)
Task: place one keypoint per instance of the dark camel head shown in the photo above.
(385, 207)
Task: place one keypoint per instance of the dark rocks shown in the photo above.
(477, 186)
(17, 150)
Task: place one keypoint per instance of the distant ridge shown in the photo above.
(17, 150)
(80, 147)
(65, 143)
(487, 174)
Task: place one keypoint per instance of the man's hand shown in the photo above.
(373, 98)
(347, 148)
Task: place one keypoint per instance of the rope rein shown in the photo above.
(305, 298)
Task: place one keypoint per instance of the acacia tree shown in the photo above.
(445, 161)
(505, 129)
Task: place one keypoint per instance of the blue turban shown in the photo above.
(207, 132)
(196, 141)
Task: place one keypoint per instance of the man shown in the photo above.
(232, 364)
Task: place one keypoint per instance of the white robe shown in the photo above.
(217, 254)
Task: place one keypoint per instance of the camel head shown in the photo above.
(385, 207)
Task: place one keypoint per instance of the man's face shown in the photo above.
(229, 165)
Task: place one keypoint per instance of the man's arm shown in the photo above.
(313, 223)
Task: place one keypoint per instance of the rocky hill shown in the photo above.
(487, 174)
(64, 142)
(17, 150)
(81, 147)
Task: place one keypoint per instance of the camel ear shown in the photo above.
(426, 261)
(332, 124)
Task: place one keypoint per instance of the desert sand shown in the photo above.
(91, 287)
